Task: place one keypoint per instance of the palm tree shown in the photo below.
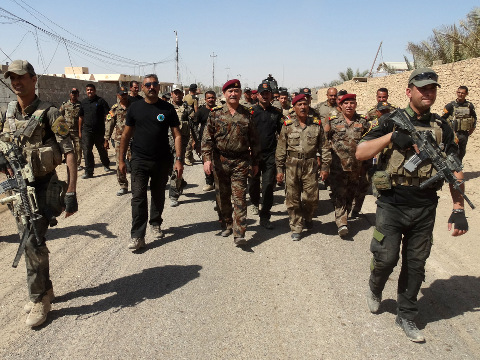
(349, 74)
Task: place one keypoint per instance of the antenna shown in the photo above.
(176, 54)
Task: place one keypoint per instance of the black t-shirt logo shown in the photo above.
(160, 117)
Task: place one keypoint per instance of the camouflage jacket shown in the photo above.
(326, 111)
(231, 135)
(185, 113)
(116, 120)
(344, 139)
(70, 112)
(308, 141)
(372, 113)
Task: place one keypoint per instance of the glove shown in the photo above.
(71, 204)
(402, 140)
(458, 218)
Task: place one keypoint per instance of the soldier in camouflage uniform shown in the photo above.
(328, 108)
(192, 101)
(301, 138)
(43, 136)
(284, 102)
(462, 117)
(185, 115)
(70, 110)
(230, 146)
(247, 98)
(345, 133)
(382, 96)
(116, 120)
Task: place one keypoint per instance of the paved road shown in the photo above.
(194, 295)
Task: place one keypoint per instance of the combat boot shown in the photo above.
(239, 241)
(266, 224)
(227, 232)
(136, 244)
(208, 187)
(28, 306)
(38, 313)
(410, 329)
(254, 209)
(343, 231)
(157, 230)
(373, 301)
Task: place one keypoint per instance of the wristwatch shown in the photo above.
(179, 158)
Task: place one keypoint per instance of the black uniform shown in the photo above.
(268, 123)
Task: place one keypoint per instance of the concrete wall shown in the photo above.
(451, 76)
(56, 90)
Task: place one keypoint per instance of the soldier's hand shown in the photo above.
(106, 145)
(280, 178)
(207, 167)
(122, 167)
(179, 167)
(254, 170)
(71, 204)
(402, 140)
(324, 175)
(461, 224)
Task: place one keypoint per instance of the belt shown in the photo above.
(233, 155)
(300, 155)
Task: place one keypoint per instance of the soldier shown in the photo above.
(192, 100)
(230, 145)
(200, 120)
(151, 162)
(382, 96)
(91, 126)
(301, 138)
(40, 129)
(133, 93)
(247, 98)
(116, 120)
(254, 97)
(327, 108)
(70, 110)
(268, 121)
(184, 113)
(345, 133)
(283, 98)
(406, 212)
(462, 117)
(276, 101)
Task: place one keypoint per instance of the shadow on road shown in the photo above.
(128, 291)
(449, 298)
(471, 175)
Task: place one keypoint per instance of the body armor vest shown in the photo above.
(462, 115)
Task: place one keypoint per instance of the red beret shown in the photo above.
(298, 98)
(234, 83)
(254, 91)
(348, 96)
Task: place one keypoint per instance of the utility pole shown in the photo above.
(213, 56)
(228, 74)
(176, 55)
(379, 47)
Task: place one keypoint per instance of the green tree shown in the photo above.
(349, 74)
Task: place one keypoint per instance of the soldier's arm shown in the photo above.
(178, 150)
(325, 154)
(124, 141)
(281, 151)
(447, 111)
(207, 140)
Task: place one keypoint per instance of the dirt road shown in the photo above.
(194, 295)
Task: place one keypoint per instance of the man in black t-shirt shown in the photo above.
(151, 157)
(406, 211)
(133, 93)
(91, 129)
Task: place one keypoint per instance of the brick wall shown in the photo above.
(451, 76)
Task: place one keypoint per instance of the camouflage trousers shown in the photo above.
(189, 148)
(344, 185)
(364, 183)
(122, 178)
(231, 185)
(36, 255)
(176, 186)
(77, 142)
(301, 185)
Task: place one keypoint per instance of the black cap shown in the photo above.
(305, 91)
(264, 86)
(122, 90)
(383, 105)
(193, 87)
(341, 93)
(247, 89)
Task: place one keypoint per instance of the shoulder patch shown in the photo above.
(288, 122)
(216, 108)
(109, 116)
(317, 121)
(60, 127)
(332, 117)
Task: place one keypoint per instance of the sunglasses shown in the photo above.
(154, 84)
(426, 76)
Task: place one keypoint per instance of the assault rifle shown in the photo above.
(22, 202)
(428, 148)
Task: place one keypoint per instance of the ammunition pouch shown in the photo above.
(56, 195)
(381, 180)
(43, 159)
(465, 124)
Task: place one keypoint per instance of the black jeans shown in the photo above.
(412, 228)
(142, 171)
(462, 143)
(88, 140)
(267, 171)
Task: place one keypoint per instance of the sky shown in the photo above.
(301, 43)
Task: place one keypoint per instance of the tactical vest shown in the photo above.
(184, 113)
(393, 159)
(42, 157)
(462, 115)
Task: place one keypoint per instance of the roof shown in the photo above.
(396, 65)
